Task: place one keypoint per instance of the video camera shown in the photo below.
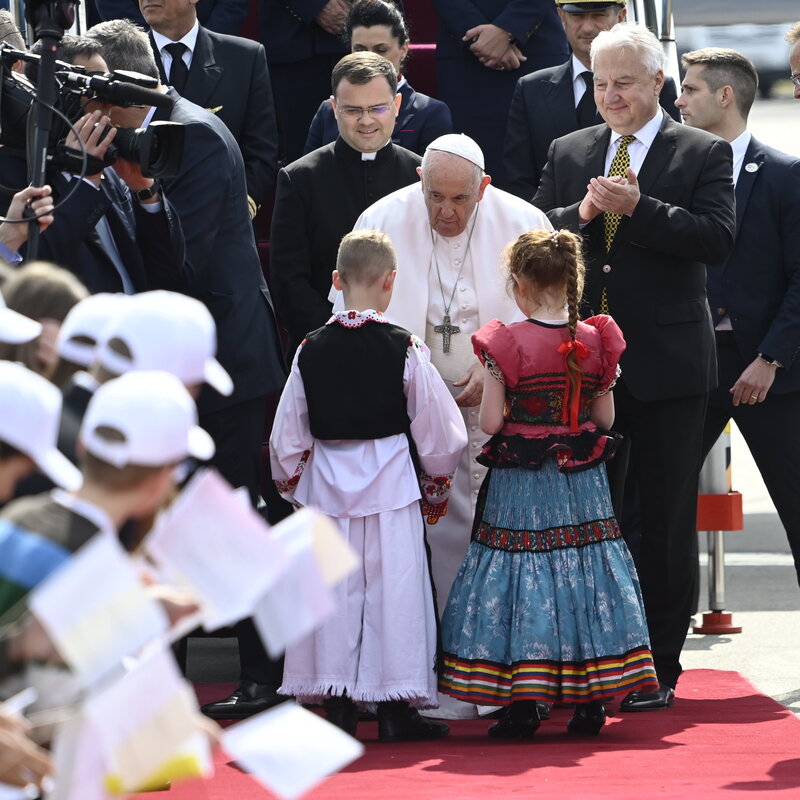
(157, 149)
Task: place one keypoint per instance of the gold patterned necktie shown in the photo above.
(619, 166)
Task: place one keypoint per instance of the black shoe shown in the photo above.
(397, 722)
(342, 712)
(587, 719)
(541, 706)
(520, 721)
(248, 699)
(660, 699)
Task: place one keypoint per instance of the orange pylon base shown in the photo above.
(717, 622)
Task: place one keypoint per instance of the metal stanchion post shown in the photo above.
(719, 510)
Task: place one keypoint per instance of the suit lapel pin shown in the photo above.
(751, 167)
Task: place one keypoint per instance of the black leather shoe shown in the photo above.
(397, 722)
(342, 712)
(587, 719)
(658, 700)
(520, 721)
(248, 699)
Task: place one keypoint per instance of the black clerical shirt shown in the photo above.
(319, 198)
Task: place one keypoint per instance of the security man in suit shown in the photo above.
(555, 101)
(210, 198)
(222, 16)
(304, 42)
(482, 48)
(659, 206)
(755, 294)
(228, 75)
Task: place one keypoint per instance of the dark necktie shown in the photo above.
(178, 71)
(586, 110)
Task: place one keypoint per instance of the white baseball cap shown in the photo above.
(170, 332)
(83, 329)
(16, 328)
(155, 417)
(30, 415)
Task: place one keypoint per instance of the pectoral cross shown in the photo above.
(447, 330)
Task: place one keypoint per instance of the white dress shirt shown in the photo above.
(190, 40)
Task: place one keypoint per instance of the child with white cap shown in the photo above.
(82, 332)
(166, 331)
(30, 408)
(137, 428)
(160, 330)
(16, 328)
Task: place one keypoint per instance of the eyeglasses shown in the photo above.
(795, 79)
(356, 112)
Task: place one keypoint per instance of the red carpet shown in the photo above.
(722, 739)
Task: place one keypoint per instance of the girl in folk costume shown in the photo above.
(361, 394)
(546, 605)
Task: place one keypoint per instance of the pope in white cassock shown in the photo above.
(449, 232)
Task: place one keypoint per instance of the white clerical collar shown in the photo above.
(646, 133)
(739, 146)
(372, 156)
(190, 39)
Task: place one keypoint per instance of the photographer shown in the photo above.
(210, 195)
(116, 232)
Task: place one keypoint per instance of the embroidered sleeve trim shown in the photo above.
(491, 364)
(611, 385)
(288, 486)
(435, 485)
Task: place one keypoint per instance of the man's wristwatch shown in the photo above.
(148, 194)
(773, 362)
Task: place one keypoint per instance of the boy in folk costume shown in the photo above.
(365, 423)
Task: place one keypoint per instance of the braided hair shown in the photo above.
(553, 260)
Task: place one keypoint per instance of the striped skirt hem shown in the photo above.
(490, 683)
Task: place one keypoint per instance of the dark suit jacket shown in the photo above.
(222, 16)
(229, 76)
(656, 278)
(151, 246)
(421, 120)
(319, 198)
(759, 284)
(210, 198)
(542, 109)
(534, 23)
(290, 34)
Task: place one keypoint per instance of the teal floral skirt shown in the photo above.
(547, 604)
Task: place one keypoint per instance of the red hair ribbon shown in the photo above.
(569, 413)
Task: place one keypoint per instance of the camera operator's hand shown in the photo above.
(90, 128)
(14, 234)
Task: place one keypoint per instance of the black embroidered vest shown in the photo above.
(353, 379)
